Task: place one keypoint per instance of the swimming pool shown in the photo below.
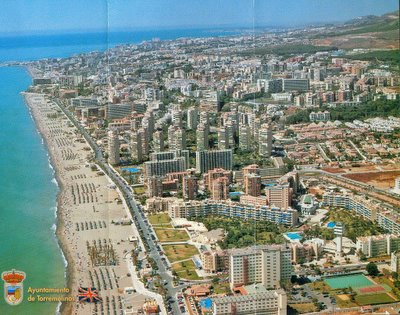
(294, 236)
(131, 169)
(235, 193)
(206, 303)
(331, 225)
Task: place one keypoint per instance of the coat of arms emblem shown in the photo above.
(13, 287)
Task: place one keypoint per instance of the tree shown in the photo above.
(372, 269)
(215, 280)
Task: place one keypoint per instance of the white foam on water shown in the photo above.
(58, 309)
(54, 181)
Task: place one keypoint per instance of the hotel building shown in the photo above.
(265, 264)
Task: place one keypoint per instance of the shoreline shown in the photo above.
(69, 272)
(86, 208)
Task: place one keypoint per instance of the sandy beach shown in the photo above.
(96, 249)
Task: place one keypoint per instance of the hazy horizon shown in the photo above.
(45, 17)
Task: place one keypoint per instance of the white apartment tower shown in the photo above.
(113, 147)
(176, 138)
(158, 141)
(136, 146)
(223, 138)
(244, 138)
(265, 140)
(201, 138)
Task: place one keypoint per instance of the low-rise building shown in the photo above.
(270, 302)
(308, 205)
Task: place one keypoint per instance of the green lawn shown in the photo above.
(160, 219)
(221, 288)
(186, 270)
(380, 298)
(171, 235)
(139, 190)
(179, 252)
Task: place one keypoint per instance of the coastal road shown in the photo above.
(135, 209)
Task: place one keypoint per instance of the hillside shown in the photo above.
(364, 32)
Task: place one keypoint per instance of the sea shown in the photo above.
(28, 189)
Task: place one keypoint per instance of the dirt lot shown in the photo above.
(384, 180)
(366, 40)
(333, 170)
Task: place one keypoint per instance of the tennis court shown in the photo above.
(353, 281)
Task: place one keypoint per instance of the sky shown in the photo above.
(54, 16)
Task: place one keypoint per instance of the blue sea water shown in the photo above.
(27, 198)
(34, 47)
(27, 189)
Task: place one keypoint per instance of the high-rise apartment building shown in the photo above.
(220, 188)
(176, 138)
(154, 186)
(214, 174)
(177, 118)
(244, 138)
(201, 138)
(158, 141)
(279, 195)
(223, 138)
(113, 148)
(207, 160)
(189, 187)
(145, 141)
(265, 264)
(252, 185)
(265, 140)
(136, 146)
(296, 85)
(162, 167)
(214, 261)
(192, 118)
(205, 121)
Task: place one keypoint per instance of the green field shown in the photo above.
(179, 252)
(171, 235)
(162, 219)
(186, 270)
(139, 190)
(380, 298)
(353, 281)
